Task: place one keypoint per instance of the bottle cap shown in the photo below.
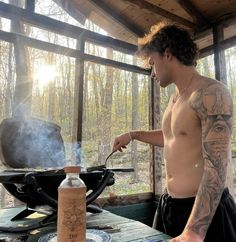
(72, 169)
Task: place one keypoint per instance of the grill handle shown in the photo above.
(30, 179)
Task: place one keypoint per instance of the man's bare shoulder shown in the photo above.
(211, 97)
(207, 84)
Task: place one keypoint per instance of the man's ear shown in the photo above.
(168, 54)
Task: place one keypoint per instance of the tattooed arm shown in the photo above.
(213, 106)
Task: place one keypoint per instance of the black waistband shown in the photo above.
(188, 200)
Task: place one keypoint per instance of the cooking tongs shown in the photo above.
(101, 167)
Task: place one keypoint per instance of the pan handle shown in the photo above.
(107, 178)
(109, 157)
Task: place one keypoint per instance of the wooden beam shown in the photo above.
(157, 10)
(70, 8)
(40, 21)
(123, 66)
(39, 44)
(15, 13)
(125, 199)
(203, 31)
(197, 16)
(42, 45)
(225, 44)
(109, 42)
(118, 17)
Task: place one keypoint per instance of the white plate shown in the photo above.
(92, 235)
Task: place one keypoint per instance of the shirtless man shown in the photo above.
(195, 135)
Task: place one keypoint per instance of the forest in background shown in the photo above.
(115, 101)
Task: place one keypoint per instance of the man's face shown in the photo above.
(159, 64)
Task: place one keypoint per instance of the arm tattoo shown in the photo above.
(213, 105)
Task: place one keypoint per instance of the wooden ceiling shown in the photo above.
(129, 19)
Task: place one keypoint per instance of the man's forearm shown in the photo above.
(153, 137)
(216, 158)
(206, 202)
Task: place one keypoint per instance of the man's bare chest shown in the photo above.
(179, 119)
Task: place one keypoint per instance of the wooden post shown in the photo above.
(219, 55)
(135, 117)
(78, 103)
(155, 121)
(30, 5)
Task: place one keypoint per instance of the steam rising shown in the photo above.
(31, 143)
(78, 156)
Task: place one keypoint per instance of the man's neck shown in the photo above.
(184, 77)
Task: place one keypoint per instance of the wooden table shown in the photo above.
(123, 229)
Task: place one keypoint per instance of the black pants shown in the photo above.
(173, 214)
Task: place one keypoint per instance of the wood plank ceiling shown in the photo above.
(129, 19)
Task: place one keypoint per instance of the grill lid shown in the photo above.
(31, 142)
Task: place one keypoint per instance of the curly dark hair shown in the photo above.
(173, 37)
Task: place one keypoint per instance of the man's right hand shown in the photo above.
(121, 142)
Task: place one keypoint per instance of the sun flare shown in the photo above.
(45, 74)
